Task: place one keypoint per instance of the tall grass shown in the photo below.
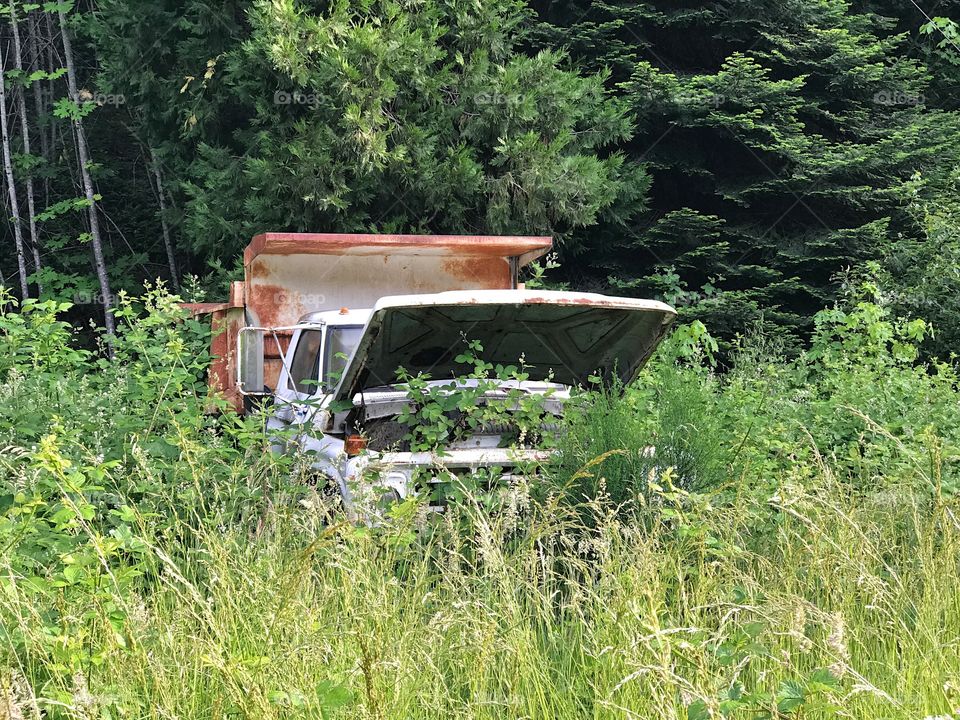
(531, 614)
(790, 549)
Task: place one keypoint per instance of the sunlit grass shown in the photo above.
(534, 615)
(789, 549)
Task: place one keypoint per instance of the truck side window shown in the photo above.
(341, 342)
(305, 365)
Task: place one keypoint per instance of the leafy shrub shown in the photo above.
(603, 449)
(792, 554)
(439, 414)
(615, 439)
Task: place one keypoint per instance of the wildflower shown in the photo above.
(17, 701)
(9, 707)
(837, 645)
(518, 502)
(798, 628)
(139, 613)
(82, 697)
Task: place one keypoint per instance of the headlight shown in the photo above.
(388, 500)
(396, 480)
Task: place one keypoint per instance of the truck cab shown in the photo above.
(320, 346)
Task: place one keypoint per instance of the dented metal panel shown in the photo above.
(561, 337)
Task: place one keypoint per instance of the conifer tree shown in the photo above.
(782, 138)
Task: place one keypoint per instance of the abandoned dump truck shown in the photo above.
(321, 324)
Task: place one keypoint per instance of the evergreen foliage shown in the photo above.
(784, 140)
(381, 117)
(733, 157)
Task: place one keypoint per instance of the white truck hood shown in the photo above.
(563, 337)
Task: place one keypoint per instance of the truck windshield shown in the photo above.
(341, 342)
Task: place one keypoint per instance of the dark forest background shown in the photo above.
(742, 159)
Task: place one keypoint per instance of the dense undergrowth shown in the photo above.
(790, 549)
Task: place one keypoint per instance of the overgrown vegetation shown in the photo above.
(763, 525)
(440, 414)
(787, 550)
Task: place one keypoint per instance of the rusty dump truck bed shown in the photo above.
(287, 275)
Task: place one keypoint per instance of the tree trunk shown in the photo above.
(11, 186)
(84, 157)
(167, 240)
(25, 129)
(51, 93)
(39, 105)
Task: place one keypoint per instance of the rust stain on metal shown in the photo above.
(196, 309)
(237, 293)
(273, 305)
(288, 275)
(481, 273)
(222, 379)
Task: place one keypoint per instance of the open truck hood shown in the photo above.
(563, 337)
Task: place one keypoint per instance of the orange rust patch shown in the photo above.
(271, 303)
(271, 372)
(277, 348)
(222, 378)
(204, 308)
(259, 268)
(481, 273)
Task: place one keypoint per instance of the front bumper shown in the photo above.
(399, 471)
(472, 459)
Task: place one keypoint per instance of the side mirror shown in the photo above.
(250, 360)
